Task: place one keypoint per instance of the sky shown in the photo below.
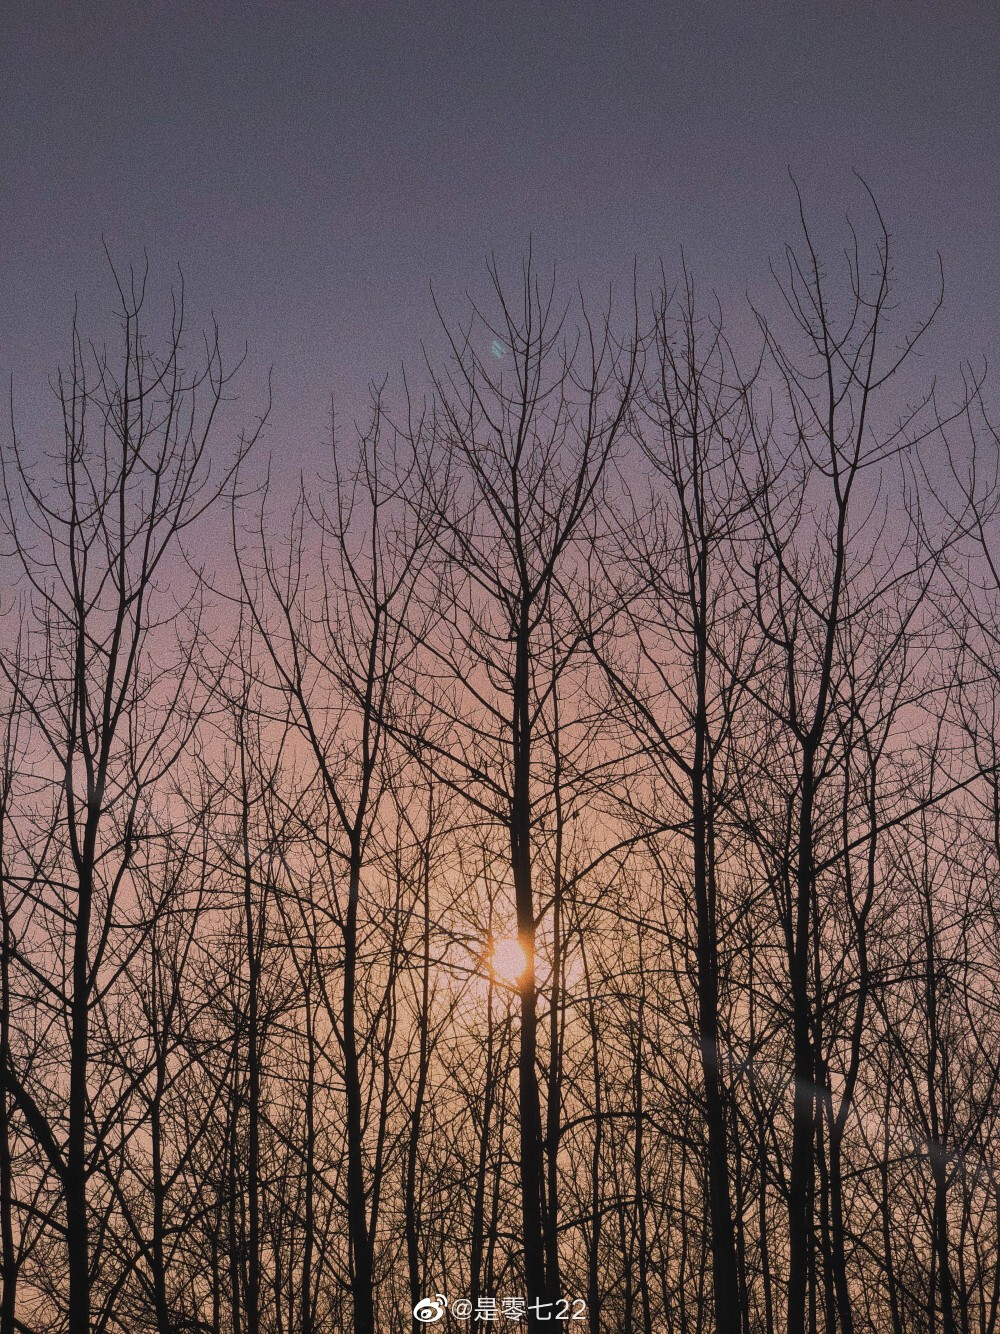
(314, 165)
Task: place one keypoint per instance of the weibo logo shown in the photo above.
(429, 1310)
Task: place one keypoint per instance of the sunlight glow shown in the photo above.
(508, 960)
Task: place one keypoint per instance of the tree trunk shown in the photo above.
(357, 1210)
(309, 1185)
(532, 1163)
(801, 1188)
(8, 1261)
(411, 1223)
(75, 1183)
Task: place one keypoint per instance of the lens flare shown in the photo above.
(508, 960)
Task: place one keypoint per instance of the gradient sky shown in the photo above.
(313, 164)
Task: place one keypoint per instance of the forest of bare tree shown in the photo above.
(545, 875)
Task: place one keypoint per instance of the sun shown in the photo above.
(508, 960)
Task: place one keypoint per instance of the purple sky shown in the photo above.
(313, 164)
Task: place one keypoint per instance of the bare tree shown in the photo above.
(104, 660)
(679, 661)
(335, 635)
(513, 462)
(557, 863)
(842, 595)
